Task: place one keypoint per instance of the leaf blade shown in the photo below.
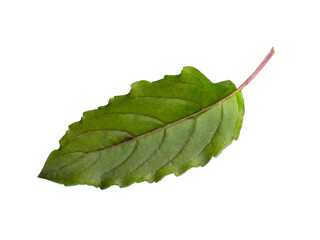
(162, 110)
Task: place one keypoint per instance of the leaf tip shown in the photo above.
(42, 175)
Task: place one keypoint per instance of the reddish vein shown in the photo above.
(259, 68)
(262, 64)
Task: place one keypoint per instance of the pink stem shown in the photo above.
(262, 64)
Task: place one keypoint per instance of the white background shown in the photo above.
(61, 58)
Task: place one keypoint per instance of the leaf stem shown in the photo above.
(259, 68)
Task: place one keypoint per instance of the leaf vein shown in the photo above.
(195, 86)
(99, 130)
(124, 113)
(156, 149)
(181, 148)
(214, 134)
(130, 154)
(196, 78)
(171, 98)
(83, 170)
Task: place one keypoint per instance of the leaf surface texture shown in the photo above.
(162, 127)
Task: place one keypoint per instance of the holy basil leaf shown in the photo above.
(162, 127)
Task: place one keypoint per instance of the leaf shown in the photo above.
(162, 127)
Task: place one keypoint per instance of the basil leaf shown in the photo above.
(162, 127)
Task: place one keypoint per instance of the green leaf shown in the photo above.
(162, 127)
